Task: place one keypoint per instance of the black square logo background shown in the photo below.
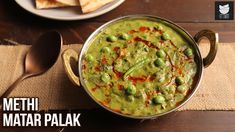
(227, 16)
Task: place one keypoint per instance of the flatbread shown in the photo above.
(44, 4)
(92, 5)
(69, 2)
(86, 5)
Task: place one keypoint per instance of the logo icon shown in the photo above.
(224, 10)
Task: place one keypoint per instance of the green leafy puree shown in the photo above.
(139, 67)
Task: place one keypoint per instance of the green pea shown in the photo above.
(125, 36)
(159, 62)
(158, 27)
(188, 52)
(165, 36)
(179, 97)
(106, 50)
(112, 38)
(89, 58)
(131, 98)
(172, 89)
(159, 99)
(179, 80)
(164, 90)
(169, 96)
(182, 88)
(130, 89)
(161, 53)
(105, 77)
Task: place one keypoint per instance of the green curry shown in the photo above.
(139, 67)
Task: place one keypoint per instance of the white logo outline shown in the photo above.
(224, 9)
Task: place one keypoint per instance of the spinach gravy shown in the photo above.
(139, 67)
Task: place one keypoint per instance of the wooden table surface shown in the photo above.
(18, 25)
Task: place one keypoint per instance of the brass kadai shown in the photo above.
(194, 41)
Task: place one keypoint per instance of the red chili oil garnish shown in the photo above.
(149, 44)
(132, 31)
(117, 110)
(116, 49)
(120, 87)
(95, 88)
(179, 71)
(161, 41)
(98, 68)
(136, 79)
(105, 103)
(143, 29)
(104, 60)
(178, 103)
(151, 77)
(117, 73)
(157, 30)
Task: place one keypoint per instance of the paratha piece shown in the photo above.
(92, 5)
(69, 2)
(45, 4)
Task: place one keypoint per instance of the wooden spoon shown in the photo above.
(40, 58)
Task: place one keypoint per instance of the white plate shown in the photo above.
(68, 13)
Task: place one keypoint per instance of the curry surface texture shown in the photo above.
(139, 67)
